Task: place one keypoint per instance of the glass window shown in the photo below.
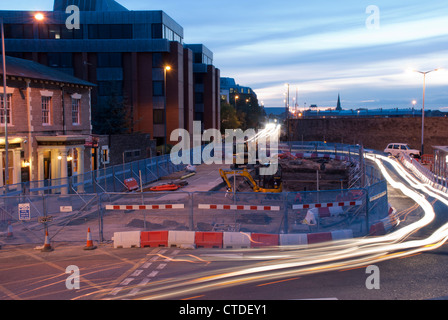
(110, 88)
(75, 111)
(396, 147)
(156, 31)
(110, 31)
(157, 87)
(110, 60)
(60, 59)
(157, 60)
(19, 31)
(46, 110)
(158, 116)
(8, 109)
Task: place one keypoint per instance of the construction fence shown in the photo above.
(67, 218)
(98, 200)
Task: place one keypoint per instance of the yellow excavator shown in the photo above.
(267, 184)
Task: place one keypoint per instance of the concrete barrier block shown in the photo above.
(293, 239)
(181, 239)
(130, 239)
(236, 240)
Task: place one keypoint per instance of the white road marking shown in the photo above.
(146, 265)
(136, 273)
(126, 281)
(115, 291)
(161, 266)
(153, 274)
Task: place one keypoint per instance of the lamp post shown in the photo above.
(37, 17)
(424, 73)
(5, 103)
(167, 68)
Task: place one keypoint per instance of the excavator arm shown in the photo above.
(246, 174)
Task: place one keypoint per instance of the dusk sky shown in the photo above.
(320, 48)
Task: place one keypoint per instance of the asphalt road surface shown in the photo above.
(325, 272)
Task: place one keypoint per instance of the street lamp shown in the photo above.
(167, 68)
(38, 17)
(236, 98)
(5, 103)
(424, 73)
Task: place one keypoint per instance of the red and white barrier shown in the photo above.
(237, 207)
(385, 225)
(327, 205)
(145, 207)
(226, 240)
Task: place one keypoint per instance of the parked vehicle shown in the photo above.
(396, 149)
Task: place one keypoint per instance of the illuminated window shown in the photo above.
(8, 109)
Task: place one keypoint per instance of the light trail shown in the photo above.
(295, 261)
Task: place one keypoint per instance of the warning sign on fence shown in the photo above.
(24, 211)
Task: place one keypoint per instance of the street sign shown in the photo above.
(24, 211)
(45, 219)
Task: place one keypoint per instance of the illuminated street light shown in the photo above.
(424, 73)
(167, 68)
(39, 16)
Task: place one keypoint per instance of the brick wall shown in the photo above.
(373, 133)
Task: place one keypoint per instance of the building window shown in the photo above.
(60, 59)
(58, 31)
(110, 60)
(105, 155)
(19, 31)
(75, 111)
(159, 116)
(110, 88)
(8, 109)
(110, 31)
(157, 31)
(46, 110)
(157, 87)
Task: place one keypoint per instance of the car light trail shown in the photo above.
(295, 261)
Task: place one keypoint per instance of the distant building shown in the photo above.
(230, 89)
(48, 118)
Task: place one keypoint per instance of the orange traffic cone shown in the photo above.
(47, 246)
(10, 234)
(89, 245)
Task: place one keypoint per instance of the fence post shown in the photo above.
(100, 218)
(191, 211)
(367, 210)
(285, 214)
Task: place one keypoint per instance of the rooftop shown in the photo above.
(33, 70)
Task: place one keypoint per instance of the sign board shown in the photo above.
(131, 184)
(45, 219)
(24, 211)
(66, 208)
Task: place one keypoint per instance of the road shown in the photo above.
(410, 264)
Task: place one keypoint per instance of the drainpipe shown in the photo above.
(64, 129)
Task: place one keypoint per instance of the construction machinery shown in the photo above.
(266, 184)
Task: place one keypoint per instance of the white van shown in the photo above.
(396, 149)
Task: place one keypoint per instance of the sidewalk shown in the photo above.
(207, 178)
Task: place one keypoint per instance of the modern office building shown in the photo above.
(125, 54)
(229, 89)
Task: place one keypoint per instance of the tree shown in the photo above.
(229, 117)
(111, 116)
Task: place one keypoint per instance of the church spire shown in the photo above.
(338, 107)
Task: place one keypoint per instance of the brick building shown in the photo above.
(48, 123)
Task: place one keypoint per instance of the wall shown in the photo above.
(373, 133)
